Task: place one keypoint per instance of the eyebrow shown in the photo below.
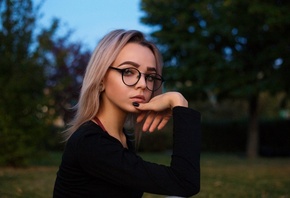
(137, 65)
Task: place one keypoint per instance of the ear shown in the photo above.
(101, 86)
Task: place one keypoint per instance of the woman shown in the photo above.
(123, 82)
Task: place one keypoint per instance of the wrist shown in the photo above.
(177, 100)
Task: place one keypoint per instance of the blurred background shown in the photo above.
(229, 58)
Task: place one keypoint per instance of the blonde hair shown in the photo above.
(103, 56)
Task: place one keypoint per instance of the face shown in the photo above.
(120, 95)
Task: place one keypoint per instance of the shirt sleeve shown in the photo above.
(104, 157)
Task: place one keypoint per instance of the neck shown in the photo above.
(113, 120)
(111, 123)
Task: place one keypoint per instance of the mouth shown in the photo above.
(139, 99)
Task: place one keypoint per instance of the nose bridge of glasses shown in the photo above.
(136, 78)
(140, 79)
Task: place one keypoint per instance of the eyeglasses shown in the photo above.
(131, 77)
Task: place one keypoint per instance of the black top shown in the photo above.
(95, 164)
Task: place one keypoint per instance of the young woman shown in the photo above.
(123, 82)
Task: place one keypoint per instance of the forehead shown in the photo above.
(136, 53)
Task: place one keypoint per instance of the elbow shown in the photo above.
(187, 190)
(192, 186)
(189, 181)
(193, 190)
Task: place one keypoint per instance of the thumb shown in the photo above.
(144, 106)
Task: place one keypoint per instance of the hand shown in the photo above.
(158, 110)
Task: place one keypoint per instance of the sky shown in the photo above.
(92, 19)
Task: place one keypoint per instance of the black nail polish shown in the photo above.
(135, 104)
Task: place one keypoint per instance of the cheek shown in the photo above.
(113, 82)
(148, 95)
(113, 85)
(116, 88)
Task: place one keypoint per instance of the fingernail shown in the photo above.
(135, 104)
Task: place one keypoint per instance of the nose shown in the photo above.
(141, 82)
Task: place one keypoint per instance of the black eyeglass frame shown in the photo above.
(159, 77)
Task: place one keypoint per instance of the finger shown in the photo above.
(154, 105)
(155, 123)
(165, 118)
(145, 106)
(163, 122)
(141, 116)
(149, 119)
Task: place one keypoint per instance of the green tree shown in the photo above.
(224, 48)
(64, 63)
(21, 84)
(40, 77)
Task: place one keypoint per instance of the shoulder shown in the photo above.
(87, 128)
(91, 136)
(88, 131)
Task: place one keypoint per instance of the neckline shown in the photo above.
(96, 119)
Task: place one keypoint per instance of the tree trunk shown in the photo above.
(253, 129)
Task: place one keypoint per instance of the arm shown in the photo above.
(186, 133)
(103, 157)
(158, 110)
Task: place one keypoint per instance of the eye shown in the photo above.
(129, 72)
(151, 77)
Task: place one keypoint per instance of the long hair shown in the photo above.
(103, 56)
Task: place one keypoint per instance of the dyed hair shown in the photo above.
(103, 56)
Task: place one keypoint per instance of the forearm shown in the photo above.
(186, 147)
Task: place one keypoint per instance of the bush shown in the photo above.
(231, 136)
(228, 136)
(156, 142)
(275, 138)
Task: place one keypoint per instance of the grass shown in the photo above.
(233, 176)
(223, 175)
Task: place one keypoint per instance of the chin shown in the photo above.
(133, 110)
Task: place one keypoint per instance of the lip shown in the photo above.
(138, 98)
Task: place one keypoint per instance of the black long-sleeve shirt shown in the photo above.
(95, 164)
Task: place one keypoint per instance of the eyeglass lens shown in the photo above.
(131, 76)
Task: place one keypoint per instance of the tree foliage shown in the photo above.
(40, 76)
(21, 84)
(224, 48)
(64, 63)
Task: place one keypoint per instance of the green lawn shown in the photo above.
(223, 175)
